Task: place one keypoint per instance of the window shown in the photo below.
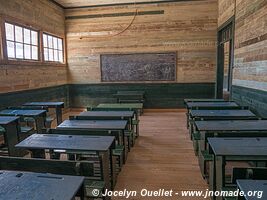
(53, 48)
(22, 43)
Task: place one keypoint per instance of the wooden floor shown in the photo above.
(162, 157)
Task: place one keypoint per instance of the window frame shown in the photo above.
(63, 47)
(31, 45)
(4, 60)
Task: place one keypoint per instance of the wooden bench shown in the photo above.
(93, 177)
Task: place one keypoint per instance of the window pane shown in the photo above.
(51, 53)
(34, 53)
(34, 37)
(27, 51)
(60, 56)
(45, 40)
(55, 55)
(27, 36)
(9, 31)
(11, 49)
(19, 50)
(18, 34)
(50, 41)
(45, 54)
(60, 44)
(55, 42)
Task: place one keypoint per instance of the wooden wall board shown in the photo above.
(188, 28)
(23, 75)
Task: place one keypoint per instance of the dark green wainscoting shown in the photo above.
(56, 93)
(255, 99)
(158, 95)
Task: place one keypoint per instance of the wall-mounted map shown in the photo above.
(138, 67)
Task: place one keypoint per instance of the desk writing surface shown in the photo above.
(121, 105)
(67, 142)
(203, 100)
(127, 114)
(29, 113)
(240, 146)
(232, 125)
(48, 103)
(222, 113)
(16, 185)
(4, 120)
(93, 124)
(253, 185)
(211, 104)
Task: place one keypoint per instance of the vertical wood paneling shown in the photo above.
(47, 17)
(188, 28)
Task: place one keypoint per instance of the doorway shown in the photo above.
(225, 59)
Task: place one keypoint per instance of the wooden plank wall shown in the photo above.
(188, 28)
(47, 17)
(251, 44)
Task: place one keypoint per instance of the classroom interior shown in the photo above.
(157, 97)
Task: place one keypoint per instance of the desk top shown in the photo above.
(108, 114)
(121, 105)
(241, 146)
(38, 186)
(48, 104)
(141, 93)
(94, 124)
(203, 100)
(26, 113)
(4, 120)
(253, 185)
(211, 104)
(232, 125)
(67, 142)
(222, 113)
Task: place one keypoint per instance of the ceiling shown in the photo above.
(89, 3)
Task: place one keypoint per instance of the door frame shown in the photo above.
(229, 25)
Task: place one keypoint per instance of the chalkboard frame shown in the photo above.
(140, 81)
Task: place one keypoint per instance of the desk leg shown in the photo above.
(220, 174)
(112, 169)
(40, 123)
(201, 158)
(59, 115)
(105, 168)
(212, 182)
(11, 137)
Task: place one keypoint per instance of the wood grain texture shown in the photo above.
(47, 17)
(251, 44)
(188, 28)
(226, 9)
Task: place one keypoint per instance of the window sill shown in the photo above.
(31, 63)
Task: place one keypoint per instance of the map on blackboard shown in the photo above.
(138, 67)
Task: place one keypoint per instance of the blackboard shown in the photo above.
(138, 67)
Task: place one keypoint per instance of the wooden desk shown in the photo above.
(137, 107)
(252, 185)
(38, 186)
(196, 115)
(104, 115)
(202, 100)
(117, 125)
(226, 128)
(75, 144)
(130, 96)
(57, 105)
(233, 149)
(11, 134)
(37, 115)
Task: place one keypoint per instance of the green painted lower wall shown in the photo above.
(158, 95)
(56, 93)
(167, 95)
(255, 99)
